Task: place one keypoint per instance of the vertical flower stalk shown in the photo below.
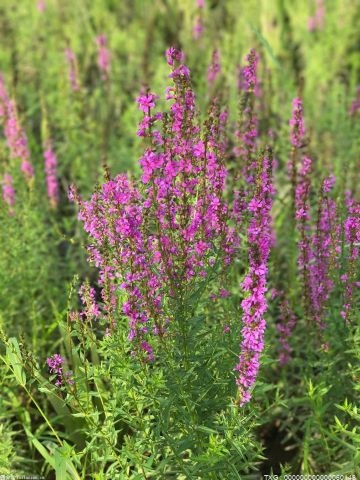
(317, 21)
(52, 183)
(14, 133)
(297, 140)
(302, 217)
(91, 308)
(198, 27)
(254, 304)
(214, 67)
(355, 105)
(72, 72)
(325, 244)
(8, 192)
(4, 98)
(41, 6)
(352, 239)
(103, 56)
(247, 131)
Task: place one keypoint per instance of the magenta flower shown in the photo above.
(156, 238)
(146, 102)
(14, 133)
(249, 72)
(352, 238)
(254, 304)
(214, 67)
(247, 132)
(198, 28)
(173, 55)
(325, 244)
(72, 75)
(27, 169)
(297, 124)
(51, 175)
(316, 22)
(328, 183)
(104, 56)
(87, 295)
(55, 364)
(8, 192)
(41, 5)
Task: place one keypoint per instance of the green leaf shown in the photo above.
(60, 465)
(14, 356)
(40, 448)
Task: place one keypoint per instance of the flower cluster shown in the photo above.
(72, 75)
(51, 174)
(41, 5)
(318, 245)
(91, 307)
(247, 131)
(352, 237)
(103, 56)
(214, 67)
(254, 285)
(325, 243)
(8, 191)
(157, 238)
(55, 364)
(198, 27)
(316, 22)
(14, 133)
(248, 79)
(302, 216)
(297, 134)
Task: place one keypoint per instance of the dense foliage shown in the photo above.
(180, 231)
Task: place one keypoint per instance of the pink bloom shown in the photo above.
(72, 75)
(174, 55)
(27, 169)
(146, 102)
(153, 238)
(254, 304)
(14, 133)
(55, 364)
(297, 124)
(312, 24)
(8, 191)
(317, 21)
(51, 175)
(328, 183)
(214, 67)
(104, 56)
(198, 28)
(41, 5)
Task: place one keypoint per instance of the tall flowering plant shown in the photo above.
(157, 239)
(14, 133)
(254, 304)
(161, 244)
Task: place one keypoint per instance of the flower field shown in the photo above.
(180, 233)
